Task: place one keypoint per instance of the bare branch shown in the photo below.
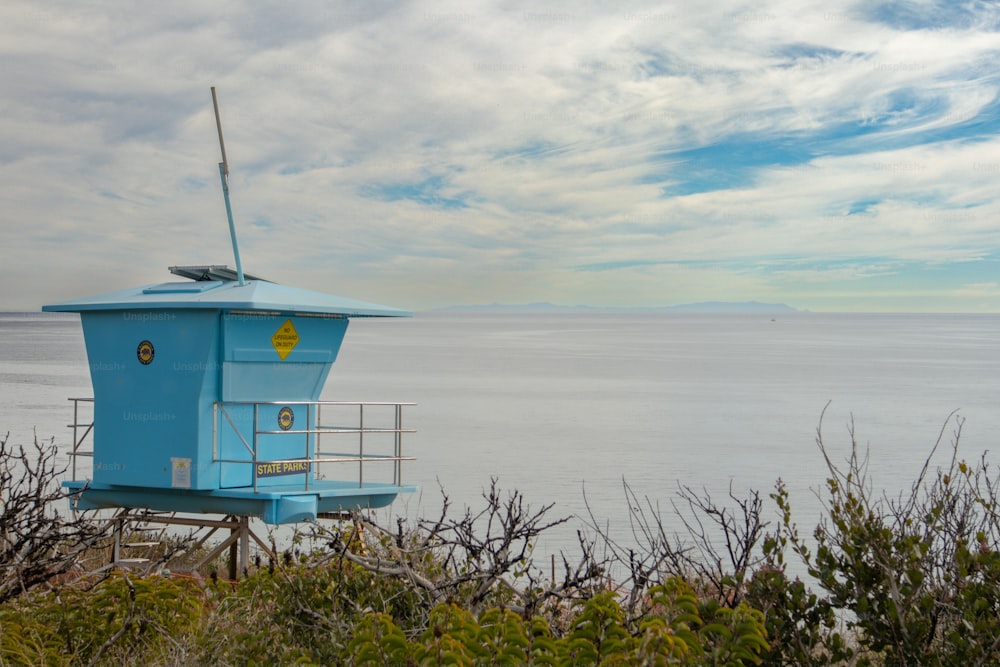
(36, 541)
(476, 558)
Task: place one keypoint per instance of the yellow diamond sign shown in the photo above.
(284, 339)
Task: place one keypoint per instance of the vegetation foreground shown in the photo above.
(910, 580)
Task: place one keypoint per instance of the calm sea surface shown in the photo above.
(566, 406)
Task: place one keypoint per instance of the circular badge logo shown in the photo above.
(285, 418)
(145, 353)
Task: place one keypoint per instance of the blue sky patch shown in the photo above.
(734, 161)
(935, 14)
(729, 164)
(862, 207)
(799, 51)
(426, 192)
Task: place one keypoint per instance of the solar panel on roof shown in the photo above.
(211, 272)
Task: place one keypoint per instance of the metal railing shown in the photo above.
(366, 421)
(81, 429)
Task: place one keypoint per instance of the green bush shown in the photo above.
(917, 576)
(305, 609)
(910, 580)
(672, 633)
(118, 619)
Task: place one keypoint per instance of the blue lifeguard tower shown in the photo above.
(206, 401)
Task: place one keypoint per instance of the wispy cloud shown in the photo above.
(831, 155)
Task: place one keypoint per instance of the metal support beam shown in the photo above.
(237, 543)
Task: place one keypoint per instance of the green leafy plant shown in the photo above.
(117, 617)
(916, 577)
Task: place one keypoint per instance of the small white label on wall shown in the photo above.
(180, 477)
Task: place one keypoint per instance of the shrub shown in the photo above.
(117, 620)
(896, 581)
(918, 575)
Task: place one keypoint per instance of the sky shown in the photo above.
(832, 156)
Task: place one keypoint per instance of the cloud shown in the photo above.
(424, 154)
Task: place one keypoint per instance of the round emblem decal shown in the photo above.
(145, 353)
(285, 418)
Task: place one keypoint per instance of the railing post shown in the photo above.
(361, 444)
(398, 446)
(215, 431)
(308, 434)
(76, 445)
(253, 464)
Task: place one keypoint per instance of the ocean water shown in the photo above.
(566, 407)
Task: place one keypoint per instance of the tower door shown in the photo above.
(270, 445)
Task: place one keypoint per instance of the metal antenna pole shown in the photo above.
(224, 175)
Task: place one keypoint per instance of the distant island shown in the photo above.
(752, 307)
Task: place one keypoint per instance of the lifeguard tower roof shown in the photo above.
(215, 287)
